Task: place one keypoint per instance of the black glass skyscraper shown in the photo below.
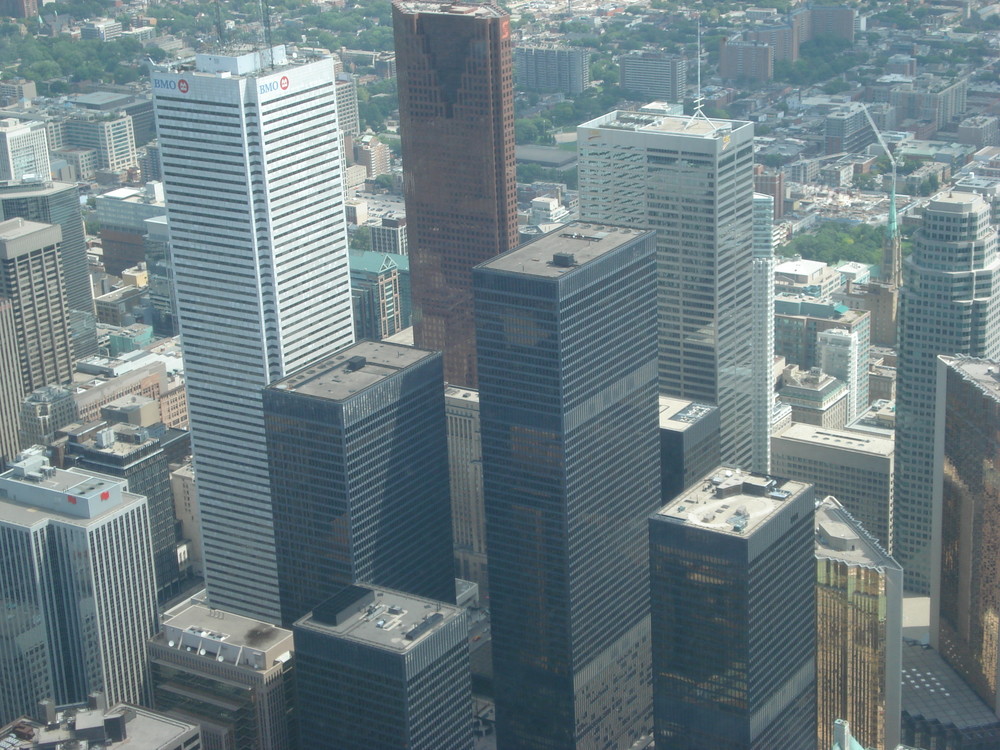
(566, 340)
(732, 581)
(358, 458)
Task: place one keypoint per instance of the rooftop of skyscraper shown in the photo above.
(477, 10)
(679, 414)
(83, 727)
(731, 501)
(984, 373)
(381, 618)
(840, 537)
(695, 126)
(933, 691)
(846, 440)
(225, 637)
(560, 252)
(351, 370)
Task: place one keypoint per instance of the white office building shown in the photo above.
(844, 354)
(251, 164)
(77, 588)
(691, 179)
(24, 150)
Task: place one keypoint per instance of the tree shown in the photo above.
(361, 239)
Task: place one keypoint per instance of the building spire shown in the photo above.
(892, 255)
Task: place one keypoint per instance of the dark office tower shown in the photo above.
(967, 633)
(377, 668)
(949, 304)
(566, 339)
(358, 457)
(59, 203)
(31, 278)
(456, 115)
(11, 389)
(732, 580)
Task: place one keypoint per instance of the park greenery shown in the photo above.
(835, 241)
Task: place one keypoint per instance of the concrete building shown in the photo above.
(459, 173)
(185, 495)
(811, 278)
(59, 203)
(140, 454)
(109, 135)
(949, 305)
(847, 129)
(162, 297)
(979, 131)
(881, 301)
(31, 277)
(552, 68)
(372, 154)
(568, 411)
(465, 465)
(381, 668)
(855, 467)
(689, 444)
(90, 726)
(928, 97)
(376, 296)
(963, 627)
(798, 323)
(704, 249)
(844, 354)
(78, 587)
(390, 236)
(746, 61)
(122, 214)
(231, 675)
(859, 631)
(11, 388)
(101, 29)
(358, 453)
(261, 278)
(24, 150)
(816, 398)
(43, 412)
(348, 117)
(731, 566)
(654, 75)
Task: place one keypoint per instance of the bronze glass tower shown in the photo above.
(456, 112)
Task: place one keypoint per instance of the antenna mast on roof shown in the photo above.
(220, 26)
(265, 21)
(698, 114)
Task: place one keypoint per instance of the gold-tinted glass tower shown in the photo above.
(456, 113)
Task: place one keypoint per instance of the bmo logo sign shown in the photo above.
(168, 85)
(280, 85)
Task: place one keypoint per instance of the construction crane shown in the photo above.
(892, 252)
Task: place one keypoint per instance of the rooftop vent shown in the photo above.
(356, 363)
(563, 260)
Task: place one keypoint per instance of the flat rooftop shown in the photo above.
(700, 127)
(840, 537)
(380, 618)
(984, 373)
(351, 370)
(934, 690)
(220, 636)
(563, 250)
(841, 439)
(145, 729)
(731, 501)
(475, 10)
(679, 414)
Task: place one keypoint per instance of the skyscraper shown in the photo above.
(566, 342)
(358, 456)
(78, 588)
(763, 330)
(691, 179)
(31, 278)
(59, 203)
(859, 631)
(24, 150)
(964, 625)
(949, 304)
(386, 669)
(251, 164)
(456, 118)
(732, 581)
(11, 390)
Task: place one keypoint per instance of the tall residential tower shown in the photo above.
(456, 117)
(251, 166)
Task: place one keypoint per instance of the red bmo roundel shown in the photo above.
(182, 86)
(283, 82)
